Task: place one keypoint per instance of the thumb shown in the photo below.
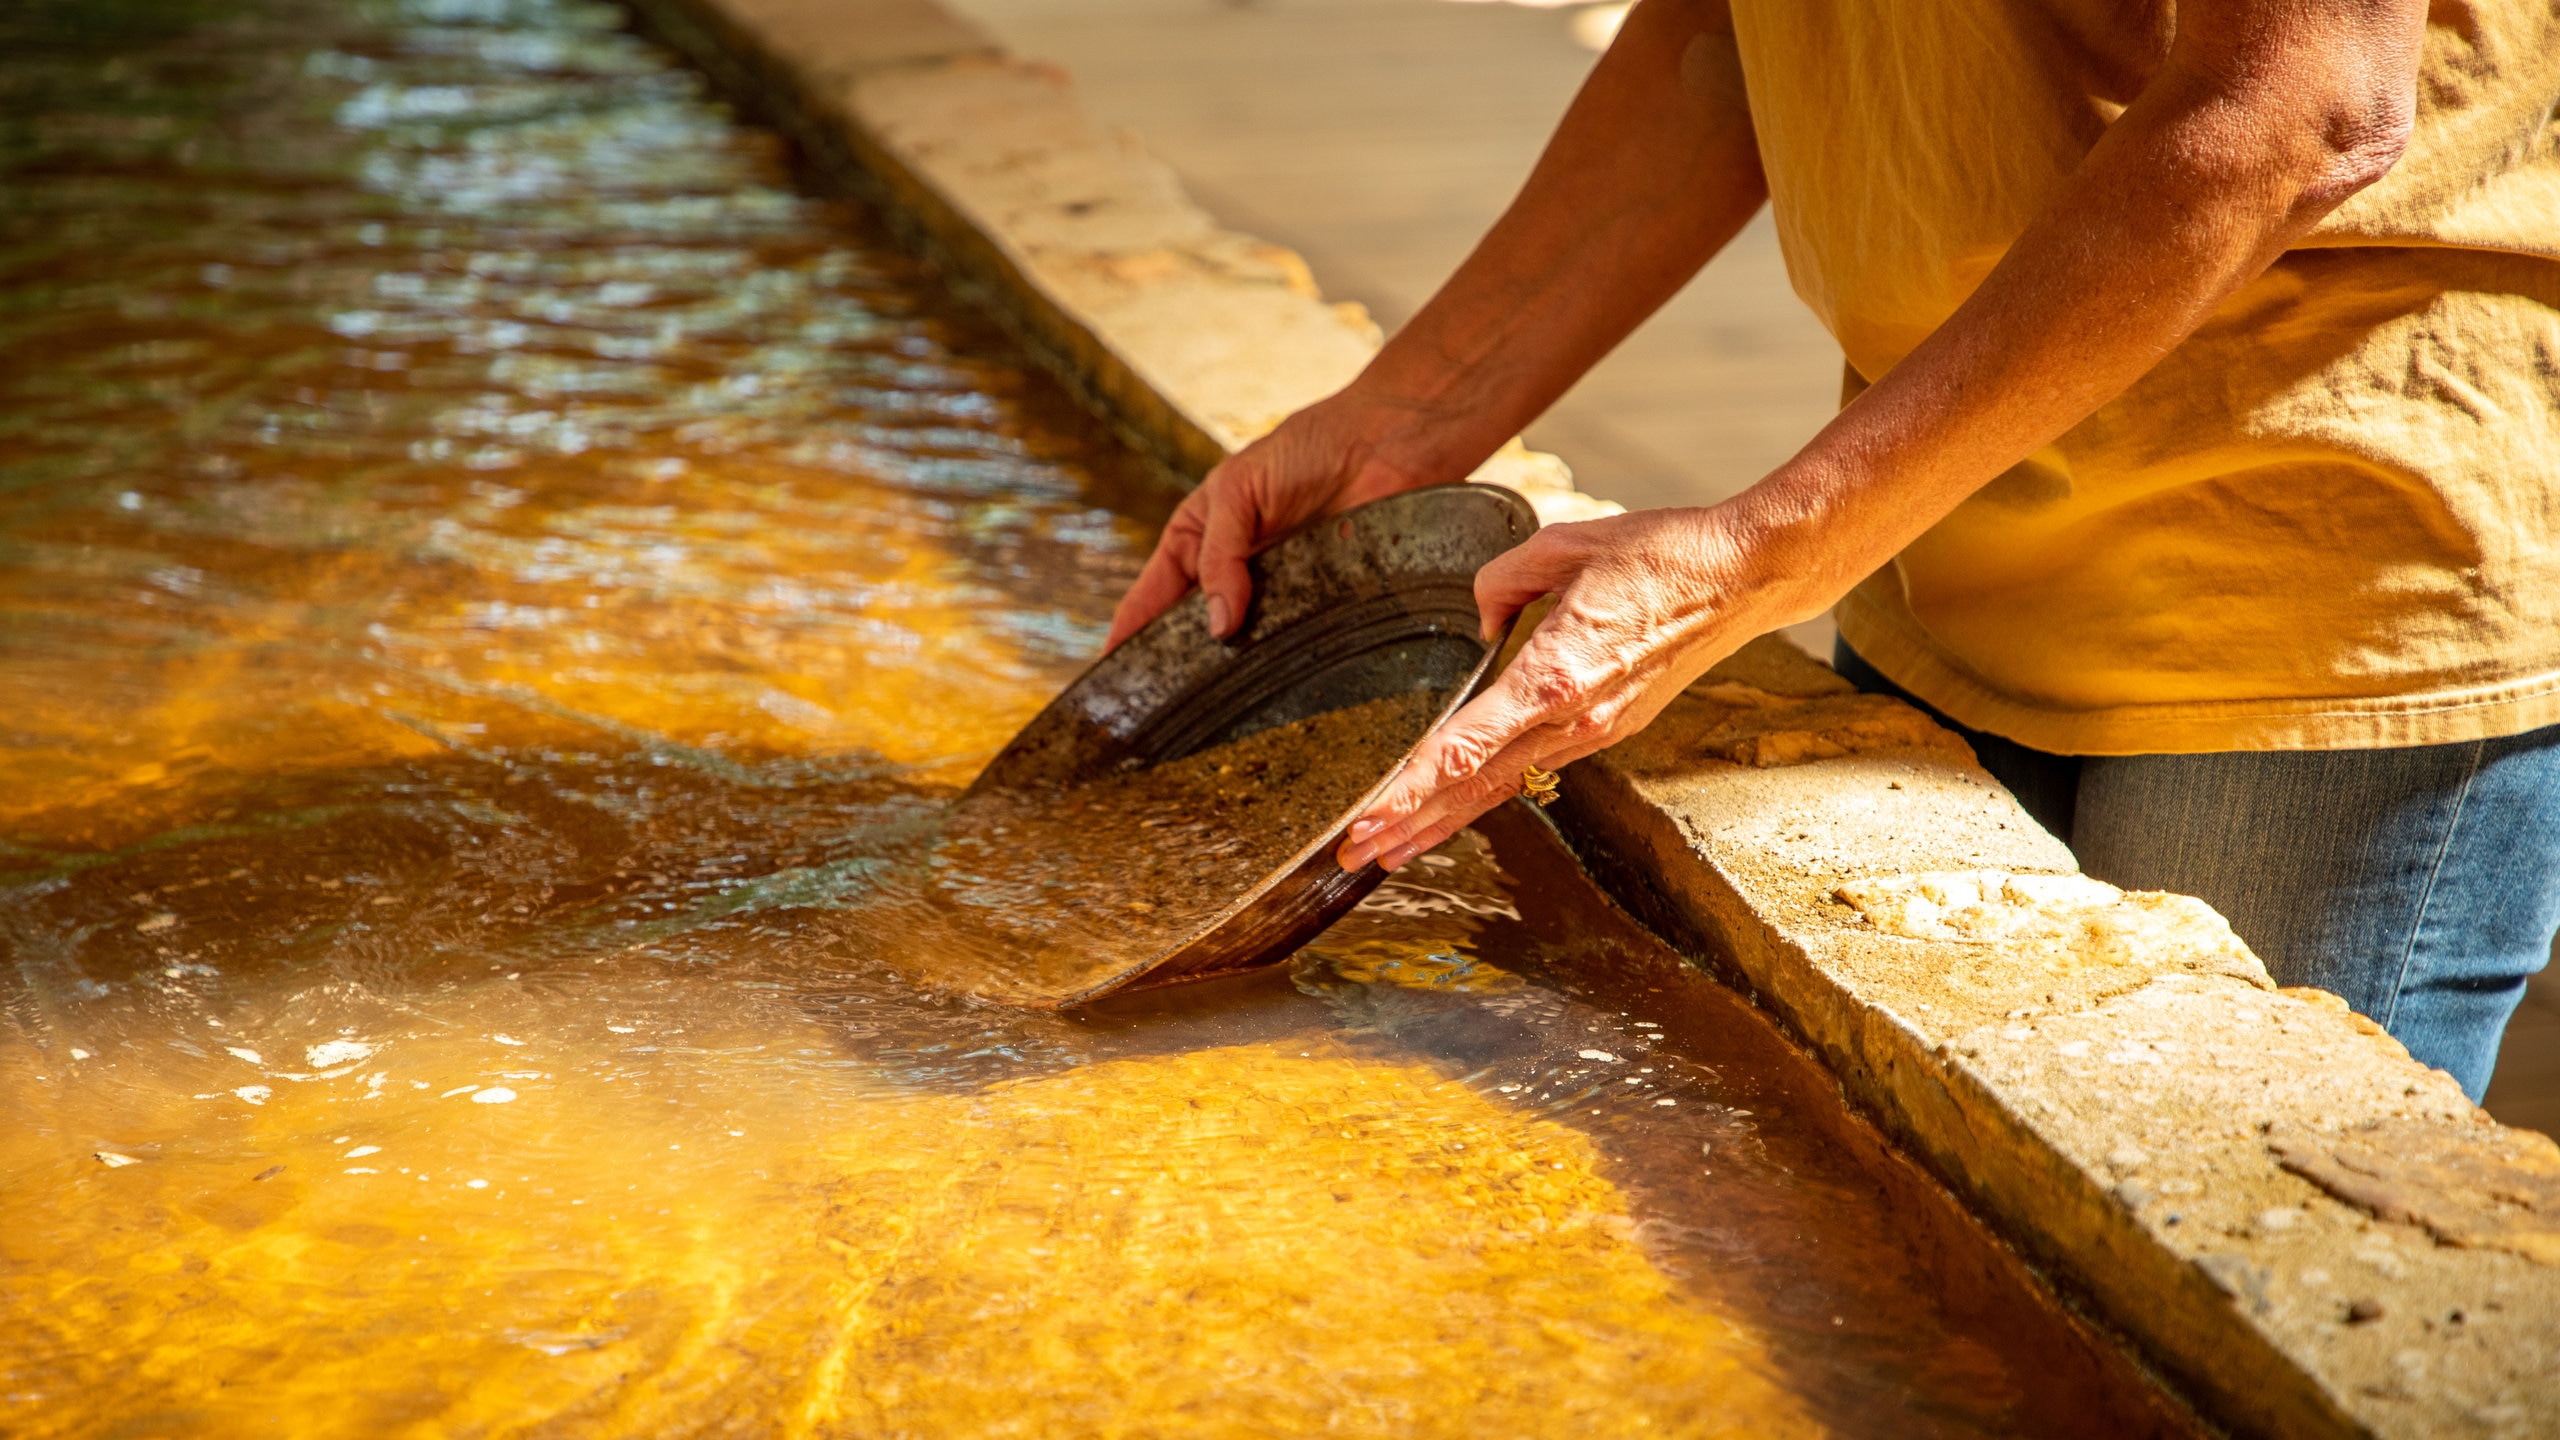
(1536, 567)
(1226, 542)
(1163, 581)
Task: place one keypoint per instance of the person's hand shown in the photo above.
(1644, 604)
(1323, 459)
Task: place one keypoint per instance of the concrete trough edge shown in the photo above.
(2111, 1082)
(2105, 1078)
(1189, 338)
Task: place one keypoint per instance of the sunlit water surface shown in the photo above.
(487, 572)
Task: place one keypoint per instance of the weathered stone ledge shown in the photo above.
(2312, 1234)
(2110, 1078)
(1191, 338)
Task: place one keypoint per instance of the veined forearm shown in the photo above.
(1653, 169)
(2267, 113)
(2191, 194)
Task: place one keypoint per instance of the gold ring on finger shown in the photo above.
(1539, 785)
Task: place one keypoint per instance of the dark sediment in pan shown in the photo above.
(1036, 896)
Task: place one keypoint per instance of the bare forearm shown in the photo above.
(1651, 172)
(2267, 113)
(2187, 197)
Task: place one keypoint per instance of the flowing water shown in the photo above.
(489, 577)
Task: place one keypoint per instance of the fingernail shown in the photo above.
(1397, 858)
(1360, 851)
(1363, 829)
(1218, 615)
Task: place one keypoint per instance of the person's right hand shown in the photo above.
(1322, 459)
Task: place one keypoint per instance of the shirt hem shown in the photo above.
(2430, 717)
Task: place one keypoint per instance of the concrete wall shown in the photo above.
(2310, 1232)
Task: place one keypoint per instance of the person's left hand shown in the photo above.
(1645, 602)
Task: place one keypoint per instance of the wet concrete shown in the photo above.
(2114, 1082)
(498, 582)
(1008, 179)
(1744, 862)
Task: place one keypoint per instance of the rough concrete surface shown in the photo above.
(1194, 338)
(2110, 1076)
(2312, 1233)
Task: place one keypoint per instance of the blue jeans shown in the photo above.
(2422, 884)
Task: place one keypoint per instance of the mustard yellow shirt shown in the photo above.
(2330, 519)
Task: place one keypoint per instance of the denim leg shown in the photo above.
(2047, 785)
(2422, 884)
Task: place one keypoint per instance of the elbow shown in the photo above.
(2355, 142)
(2286, 161)
(2305, 117)
(2347, 104)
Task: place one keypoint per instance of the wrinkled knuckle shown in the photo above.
(1586, 727)
(1604, 717)
(1551, 687)
(1460, 757)
(1432, 832)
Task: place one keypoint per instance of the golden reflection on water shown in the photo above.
(1244, 1239)
(379, 385)
(490, 578)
